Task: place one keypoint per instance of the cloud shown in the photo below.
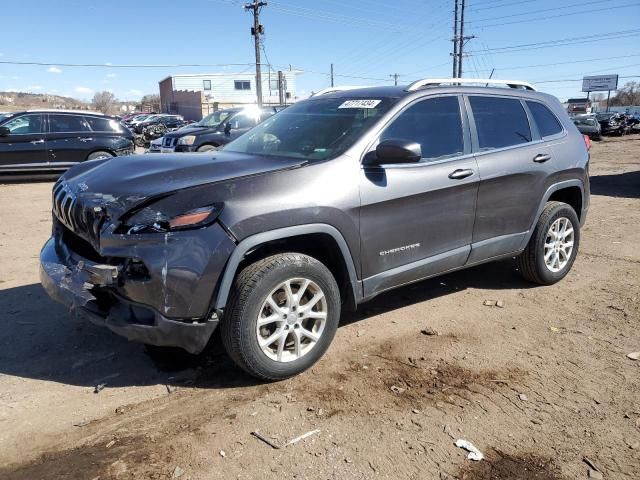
(112, 75)
(54, 70)
(135, 92)
(33, 88)
(84, 90)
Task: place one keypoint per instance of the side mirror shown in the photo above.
(4, 132)
(227, 128)
(395, 150)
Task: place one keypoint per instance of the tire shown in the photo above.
(532, 264)
(100, 155)
(206, 148)
(252, 288)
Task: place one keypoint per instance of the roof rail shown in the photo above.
(338, 89)
(64, 110)
(434, 82)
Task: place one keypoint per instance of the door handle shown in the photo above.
(459, 174)
(85, 139)
(542, 157)
(36, 142)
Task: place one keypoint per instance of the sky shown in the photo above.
(367, 41)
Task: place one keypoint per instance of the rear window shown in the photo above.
(68, 124)
(103, 124)
(546, 121)
(500, 122)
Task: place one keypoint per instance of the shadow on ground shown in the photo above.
(626, 185)
(40, 340)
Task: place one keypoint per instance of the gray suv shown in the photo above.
(321, 207)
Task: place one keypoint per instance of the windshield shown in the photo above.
(214, 119)
(604, 116)
(316, 129)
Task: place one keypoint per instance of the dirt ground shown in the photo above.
(537, 386)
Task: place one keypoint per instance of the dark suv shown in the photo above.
(321, 207)
(216, 130)
(53, 141)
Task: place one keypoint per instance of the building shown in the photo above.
(195, 95)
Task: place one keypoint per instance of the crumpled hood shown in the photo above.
(121, 183)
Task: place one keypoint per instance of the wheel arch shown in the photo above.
(323, 242)
(568, 191)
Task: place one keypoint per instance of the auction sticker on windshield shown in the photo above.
(360, 104)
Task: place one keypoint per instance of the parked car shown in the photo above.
(588, 125)
(155, 146)
(53, 141)
(132, 122)
(612, 123)
(168, 121)
(219, 129)
(130, 116)
(319, 208)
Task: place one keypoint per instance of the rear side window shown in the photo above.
(546, 121)
(434, 123)
(103, 124)
(68, 124)
(500, 122)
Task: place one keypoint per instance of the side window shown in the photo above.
(500, 122)
(67, 124)
(434, 123)
(25, 125)
(546, 121)
(98, 124)
(243, 121)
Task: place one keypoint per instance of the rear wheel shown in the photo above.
(553, 246)
(282, 316)
(99, 155)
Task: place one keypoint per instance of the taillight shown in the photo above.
(587, 141)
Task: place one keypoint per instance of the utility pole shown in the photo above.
(281, 87)
(332, 74)
(256, 31)
(395, 78)
(461, 40)
(455, 41)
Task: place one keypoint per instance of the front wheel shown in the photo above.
(553, 246)
(282, 316)
(207, 148)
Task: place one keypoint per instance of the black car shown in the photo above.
(612, 123)
(216, 132)
(53, 141)
(169, 121)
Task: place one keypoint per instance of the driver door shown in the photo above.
(416, 219)
(25, 146)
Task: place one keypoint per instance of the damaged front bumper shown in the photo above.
(90, 291)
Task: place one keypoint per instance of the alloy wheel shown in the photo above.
(558, 244)
(291, 320)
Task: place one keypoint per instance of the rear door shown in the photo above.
(106, 134)
(69, 140)
(515, 164)
(25, 146)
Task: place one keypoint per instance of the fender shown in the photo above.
(545, 198)
(256, 240)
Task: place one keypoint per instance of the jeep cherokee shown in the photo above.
(321, 207)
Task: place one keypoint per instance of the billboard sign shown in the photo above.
(599, 83)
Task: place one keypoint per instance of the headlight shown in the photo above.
(151, 219)
(187, 140)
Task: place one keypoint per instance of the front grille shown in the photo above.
(80, 246)
(169, 142)
(73, 214)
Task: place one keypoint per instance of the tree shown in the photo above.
(150, 102)
(104, 101)
(628, 95)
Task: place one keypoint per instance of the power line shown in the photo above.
(553, 17)
(580, 4)
(593, 37)
(577, 79)
(111, 65)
